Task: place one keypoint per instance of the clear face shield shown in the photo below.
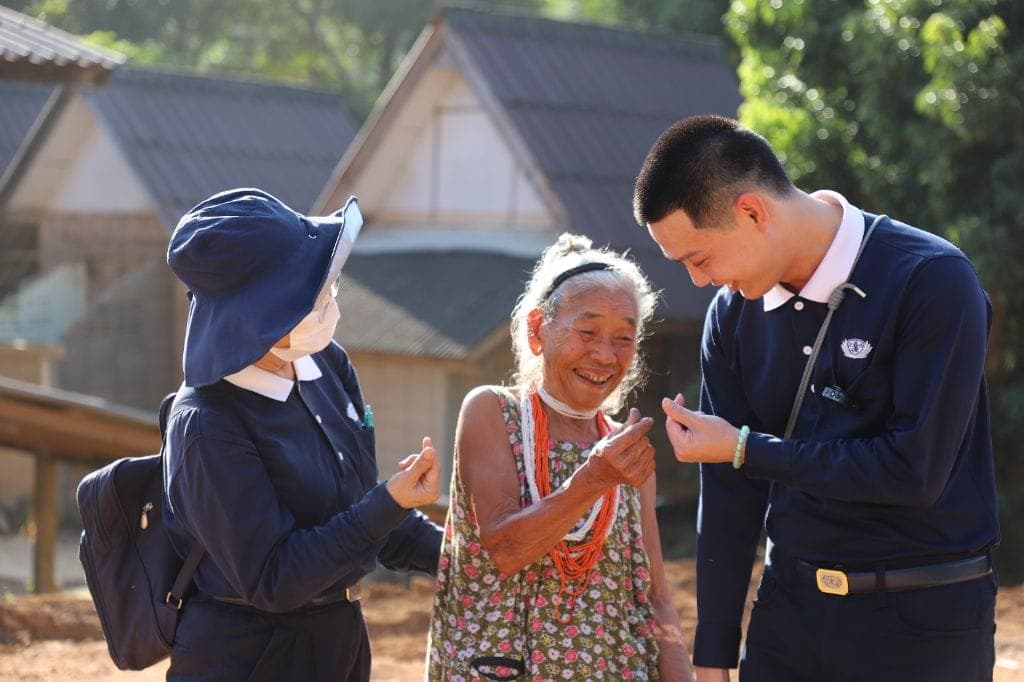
(314, 332)
(353, 223)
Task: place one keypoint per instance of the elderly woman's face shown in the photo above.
(589, 345)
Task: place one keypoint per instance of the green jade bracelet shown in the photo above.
(737, 457)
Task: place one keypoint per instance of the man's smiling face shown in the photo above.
(736, 255)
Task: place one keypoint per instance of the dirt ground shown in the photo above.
(57, 638)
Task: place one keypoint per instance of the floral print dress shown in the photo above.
(483, 618)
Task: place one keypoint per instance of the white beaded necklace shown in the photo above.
(563, 409)
(528, 425)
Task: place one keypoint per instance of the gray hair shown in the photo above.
(622, 274)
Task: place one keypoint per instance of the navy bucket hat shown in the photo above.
(254, 269)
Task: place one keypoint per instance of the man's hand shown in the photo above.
(418, 481)
(625, 455)
(712, 674)
(698, 437)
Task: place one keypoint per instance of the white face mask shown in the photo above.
(312, 334)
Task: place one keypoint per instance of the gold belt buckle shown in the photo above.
(354, 592)
(832, 582)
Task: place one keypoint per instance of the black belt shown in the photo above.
(352, 593)
(837, 581)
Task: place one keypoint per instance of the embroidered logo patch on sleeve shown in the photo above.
(857, 349)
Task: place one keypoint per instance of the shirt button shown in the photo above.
(319, 420)
(341, 456)
(799, 305)
(807, 350)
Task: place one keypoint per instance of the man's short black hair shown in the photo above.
(700, 165)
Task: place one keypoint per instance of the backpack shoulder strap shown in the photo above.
(165, 412)
(176, 597)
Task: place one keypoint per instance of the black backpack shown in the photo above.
(136, 579)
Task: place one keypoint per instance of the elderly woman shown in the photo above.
(551, 566)
(270, 469)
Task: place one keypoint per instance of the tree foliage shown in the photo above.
(913, 108)
(673, 16)
(354, 45)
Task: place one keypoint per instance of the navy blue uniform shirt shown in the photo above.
(284, 495)
(900, 475)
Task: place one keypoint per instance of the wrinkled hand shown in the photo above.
(698, 437)
(712, 674)
(625, 455)
(419, 480)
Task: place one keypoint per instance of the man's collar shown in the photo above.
(839, 259)
(270, 385)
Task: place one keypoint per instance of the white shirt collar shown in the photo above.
(839, 259)
(268, 384)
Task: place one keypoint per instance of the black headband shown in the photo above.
(572, 272)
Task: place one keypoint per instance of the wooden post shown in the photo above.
(44, 571)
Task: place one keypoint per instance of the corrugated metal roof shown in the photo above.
(588, 101)
(432, 304)
(32, 49)
(188, 136)
(22, 104)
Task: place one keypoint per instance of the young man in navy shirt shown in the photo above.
(879, 506)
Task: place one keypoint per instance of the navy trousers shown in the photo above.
(798, 634)
(225, 642)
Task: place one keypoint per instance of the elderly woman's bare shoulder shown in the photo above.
(483, 405)
(489, 396)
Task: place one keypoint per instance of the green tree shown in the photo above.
(914, 108)
(354, 45)
(673, 16)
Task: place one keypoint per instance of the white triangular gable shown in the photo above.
(459, 169)
(79, 168)
(440, 171)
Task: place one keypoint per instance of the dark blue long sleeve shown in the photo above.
(730, 519)
(228, 503)
(414, 546)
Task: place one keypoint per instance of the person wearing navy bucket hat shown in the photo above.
(270, 463)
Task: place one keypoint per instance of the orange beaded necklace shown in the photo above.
(575, 564)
